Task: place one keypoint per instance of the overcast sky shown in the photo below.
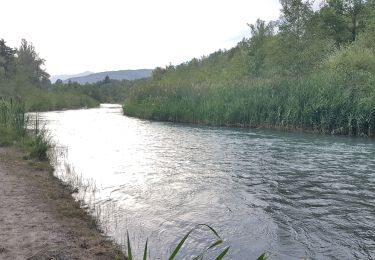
(96, 35)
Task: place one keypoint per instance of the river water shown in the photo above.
(292, 195)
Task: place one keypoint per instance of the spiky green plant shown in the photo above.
(13, 128)
(218, 241)
(13, 119)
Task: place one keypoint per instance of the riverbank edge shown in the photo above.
(288, 129)
(64, 207)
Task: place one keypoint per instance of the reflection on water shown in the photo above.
(293, 195)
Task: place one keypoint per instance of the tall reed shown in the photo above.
(13, 118)
(323, 101)
(14, 128)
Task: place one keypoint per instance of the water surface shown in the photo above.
(293, 195)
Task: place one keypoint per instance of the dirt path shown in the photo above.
(40, 220)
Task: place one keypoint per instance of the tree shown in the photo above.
(369, 14)
(260, 33)
(295, 15)
(31, 64)
(354, 9)
(106, 80)
(294, 46)
(344, 19)
(59, 82)
(158, 73)
(7, 59)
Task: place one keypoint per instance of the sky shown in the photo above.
(74, 36)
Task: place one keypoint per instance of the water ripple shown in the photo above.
(293, 195)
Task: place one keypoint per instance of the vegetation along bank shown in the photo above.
(310, 70)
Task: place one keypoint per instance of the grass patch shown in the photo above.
(14, 129)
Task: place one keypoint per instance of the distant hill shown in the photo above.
(118, 75)
(64, 77)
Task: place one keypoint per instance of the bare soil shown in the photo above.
(39, 219)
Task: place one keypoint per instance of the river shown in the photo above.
(293, 195)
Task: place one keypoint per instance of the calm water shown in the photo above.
(293, 195)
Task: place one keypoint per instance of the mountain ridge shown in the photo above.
(117, 75)
(63, 77)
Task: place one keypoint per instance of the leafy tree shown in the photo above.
(295, 16)
(7, 59)
(293, 43)
(106, 80)
(158, 73)
(369, 18)
(30, 64)
(354, 10)
(344, 19)
(59, 82)
(260, 33)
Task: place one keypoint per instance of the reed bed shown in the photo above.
(336, 97)
(14, 129)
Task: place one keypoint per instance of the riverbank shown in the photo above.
(320, 103)
(274, 79)
(39, 219)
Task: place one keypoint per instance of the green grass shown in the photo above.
(55, 99)
(14, 129)
(12, 121)
(45, 99)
